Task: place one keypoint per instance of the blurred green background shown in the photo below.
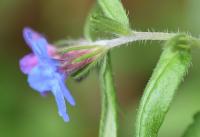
(24, 113)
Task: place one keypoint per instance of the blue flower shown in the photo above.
(46, 76)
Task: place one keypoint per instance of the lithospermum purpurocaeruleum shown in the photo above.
(48, 67)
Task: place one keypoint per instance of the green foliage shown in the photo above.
(106, 20)
(160, 90)
(113, 9)
(194, 129)
(108, 123)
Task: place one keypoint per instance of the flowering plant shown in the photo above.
(108, 27)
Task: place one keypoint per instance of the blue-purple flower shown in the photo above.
(43, 70)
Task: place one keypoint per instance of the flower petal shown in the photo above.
(27, 63)
(60, 102)
(36, 42)
(40, 78)
(66, 93)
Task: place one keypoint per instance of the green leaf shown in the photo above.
(160, 90)
(194, 129)
(114, 10)
(107, 21)
(108, 123)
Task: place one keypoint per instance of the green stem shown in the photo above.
(132, 37)
(140, 36)
(108, 123)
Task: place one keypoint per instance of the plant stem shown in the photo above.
(108, 123)
(134, 36)
(139, 36)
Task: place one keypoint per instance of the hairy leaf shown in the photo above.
(168, 74)
(114, 10)
(108, 123)
(107, 20)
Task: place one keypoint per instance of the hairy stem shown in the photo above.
(139, 36)
(115, 42)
